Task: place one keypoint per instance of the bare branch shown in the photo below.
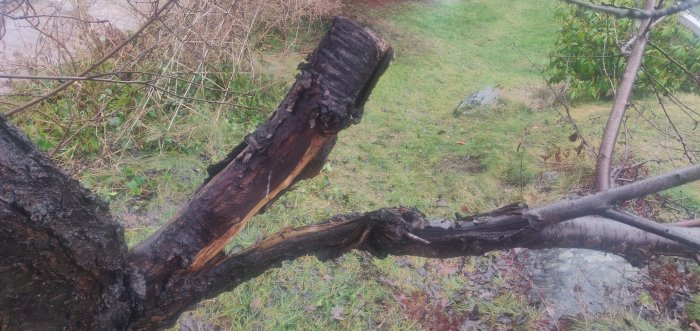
(607, 144)
(73, 78)
(568, 209)
(652, 227)
(636, 12)
(687, 224)
(391, 231)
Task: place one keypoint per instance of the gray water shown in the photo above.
(24, 49)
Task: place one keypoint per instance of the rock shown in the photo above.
(487, 97)
(469, 325)
(504, 319)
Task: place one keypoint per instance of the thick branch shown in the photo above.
(402, 231)
(328, 95)
(607, 145)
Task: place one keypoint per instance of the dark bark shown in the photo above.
(328, 96)
(63, 261)
(404, 231)
(62, 256)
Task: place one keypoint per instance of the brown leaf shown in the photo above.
(337, 313)
(255, 304)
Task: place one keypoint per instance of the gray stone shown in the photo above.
(487, 97)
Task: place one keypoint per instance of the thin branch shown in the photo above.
(607, 144)
(24, 17)
(94, 66)
(652, 227)
(567, 209)
(668, 117)
(560, 98)
(73, 78)
(687, 224)
(624, 12)
(692, 76)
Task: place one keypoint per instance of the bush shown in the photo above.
(587, 54)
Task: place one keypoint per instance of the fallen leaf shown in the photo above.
(337, 313)
(461, 142)
(255, 304)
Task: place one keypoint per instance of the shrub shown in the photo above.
(588, 54)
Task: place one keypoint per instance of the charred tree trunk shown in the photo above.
(63, 260)
(64, 263)
(62, 256)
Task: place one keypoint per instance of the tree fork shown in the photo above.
(63, 260)
(329, 95)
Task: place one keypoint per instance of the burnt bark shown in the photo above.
(329, 95)
(64, 263)
(63, 259)
(62, 256)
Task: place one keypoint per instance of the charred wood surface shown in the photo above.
(329, 95)
(64, 264)
(62, 256)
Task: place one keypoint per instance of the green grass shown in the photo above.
(406, 152)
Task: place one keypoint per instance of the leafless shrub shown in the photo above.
(187, 61)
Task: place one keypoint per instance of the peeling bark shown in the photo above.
(329, 95)
(404, 231)
(62, 256)
(63, 260)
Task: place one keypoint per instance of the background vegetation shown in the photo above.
(589, 54)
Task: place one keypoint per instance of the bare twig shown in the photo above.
(687, 224)
(686, 151)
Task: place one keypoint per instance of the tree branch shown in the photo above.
(567, 209)
(328, 96)
(607, 144)
(661, 230)
(623, 12)
(393, 231)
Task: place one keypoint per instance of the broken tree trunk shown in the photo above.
(63, 260)
(328, 95)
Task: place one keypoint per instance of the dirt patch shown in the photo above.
(469, 163)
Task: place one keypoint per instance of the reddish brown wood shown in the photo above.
(63, 261)
(328, 96)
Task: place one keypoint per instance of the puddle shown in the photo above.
(51, 37)
(581, 281)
